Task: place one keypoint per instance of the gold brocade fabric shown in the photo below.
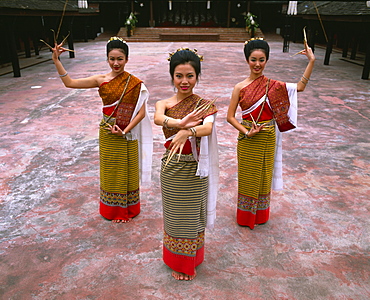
(111, 91)
(183, 108)
(277, 95)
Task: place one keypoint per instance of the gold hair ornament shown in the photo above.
(253, 39)
(195, 51)
(116, 38)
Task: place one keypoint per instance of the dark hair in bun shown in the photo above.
(117, 43)
(256, 44)
(183, 56)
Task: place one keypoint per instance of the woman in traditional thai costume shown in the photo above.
(125, 136)
(189, 171)
(269, 107)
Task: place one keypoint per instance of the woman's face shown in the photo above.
(184, 79)
(117, 60)
(257, 62)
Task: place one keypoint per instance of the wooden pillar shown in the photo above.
(329, 49)
(366, 70)
(228, 13)
(345, 47)
(27, 46)
(14, 54)
(287, 28)
(35, 43)
(70, 39)
(86, 29)
(151, 23)
(312, 36)
(346, 38)
(354, 47)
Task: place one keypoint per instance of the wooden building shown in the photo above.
(344, 25)
(24, 22)
(188, 13)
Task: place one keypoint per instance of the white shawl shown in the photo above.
(143, 133)
(208, 166)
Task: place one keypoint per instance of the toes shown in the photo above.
(191, 277)
(183, 276)
(176, 275)
(121, 221)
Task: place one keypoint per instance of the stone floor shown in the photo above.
(55, 245)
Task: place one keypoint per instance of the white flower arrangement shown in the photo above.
(250, 23)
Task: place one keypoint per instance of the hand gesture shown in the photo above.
(177, 144)
(255, 129)
(308, 52)
(195, 117)
(114, 130)
(58, 50)
(192, 119)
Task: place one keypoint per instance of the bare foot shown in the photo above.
(122, 221)
(177, 275)
(191, 277)
(183, 276)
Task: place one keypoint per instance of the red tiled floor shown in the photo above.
(54, 244)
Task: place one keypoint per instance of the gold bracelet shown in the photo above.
(165, 123)
(305, 83)
(193, 131)
(305, 77)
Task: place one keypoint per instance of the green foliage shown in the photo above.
(250, 22)
(131, 20)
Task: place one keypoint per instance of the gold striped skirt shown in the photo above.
(119, 176)
(184, 197)
(255, 168)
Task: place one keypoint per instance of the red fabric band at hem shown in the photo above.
(182, 263)
(246, 218)
(119, 213)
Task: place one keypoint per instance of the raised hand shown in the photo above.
(308, 52)
(195, 117)
(192, 119)
(58, 50)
